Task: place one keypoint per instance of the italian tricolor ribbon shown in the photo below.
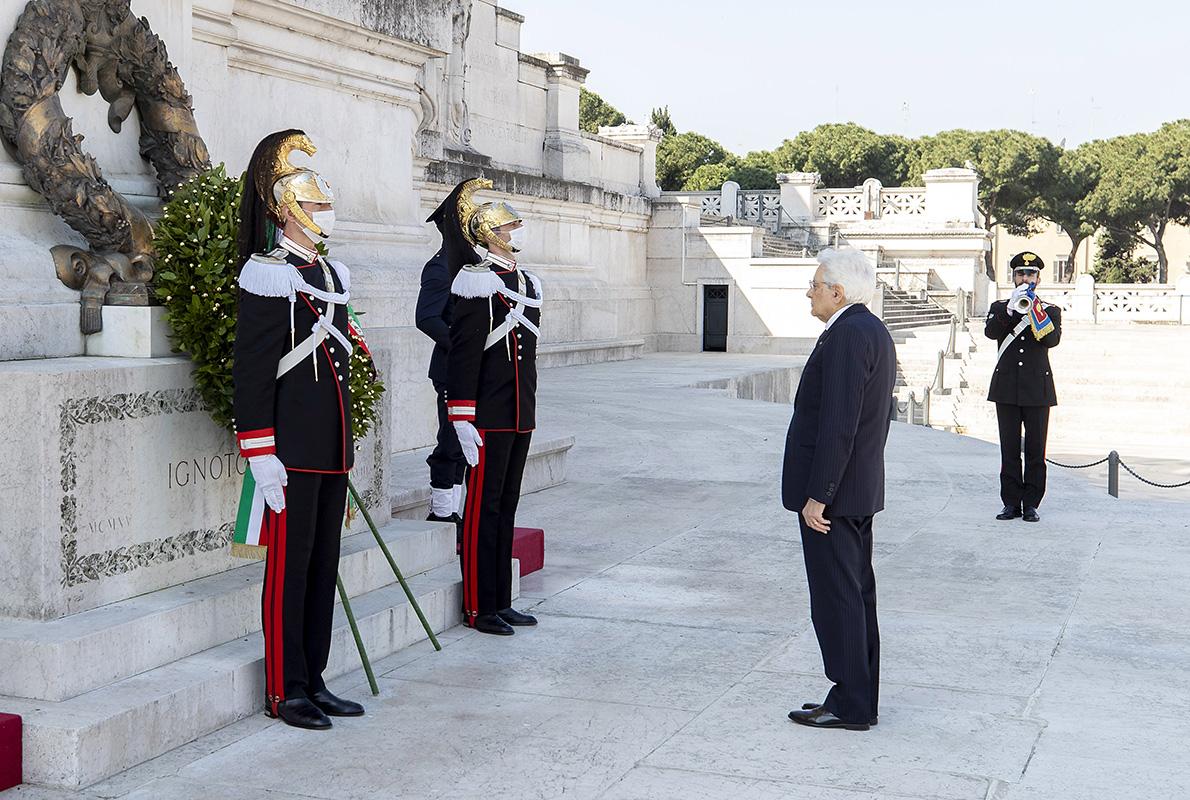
(1041, 322)
(253, 523)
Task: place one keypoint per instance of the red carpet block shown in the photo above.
(10, 751)
(528, 544)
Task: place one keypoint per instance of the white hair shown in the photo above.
(851, 270)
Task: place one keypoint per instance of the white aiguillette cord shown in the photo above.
(320, 330)
(516, 317)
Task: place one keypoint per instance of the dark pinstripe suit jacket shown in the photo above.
(835, 448)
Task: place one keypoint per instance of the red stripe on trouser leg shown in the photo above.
(279, 543)
(471, 540)
(274, 529)
(266, 615)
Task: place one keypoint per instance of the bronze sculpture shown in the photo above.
(119, 56)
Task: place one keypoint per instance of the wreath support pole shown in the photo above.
(359, 641)
(393, 563)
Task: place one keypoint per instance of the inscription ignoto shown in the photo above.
(191, 471)
(78, 568)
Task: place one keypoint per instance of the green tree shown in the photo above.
(1116, 261)
(660, 118)
(1076, 177)
(1016, 171)
(679, 155)
(1143, 186)
(594, 112)
(709, 177)
(846, 154)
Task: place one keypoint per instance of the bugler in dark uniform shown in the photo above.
(292, 409)
(491, 401)
(1022, 386)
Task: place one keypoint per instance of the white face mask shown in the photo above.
(324, 220)
(516, 239)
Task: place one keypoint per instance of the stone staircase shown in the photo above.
(917, 366)
(107, 689)
(905, 310)
(168, 667)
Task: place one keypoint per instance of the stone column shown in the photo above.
(646, 137)
(729, 199)
(797, 195)
(952, 196)
(566, 154)
(1083, 305)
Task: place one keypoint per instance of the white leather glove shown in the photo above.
(1014, 298)
(469, 440)
(269, 474)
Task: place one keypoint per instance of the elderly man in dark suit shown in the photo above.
(834, 479)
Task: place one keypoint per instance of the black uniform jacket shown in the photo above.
(304, 418)
(434, 306)
(496, 388)
(1023, 376)
(834, 451)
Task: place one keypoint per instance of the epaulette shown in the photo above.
(267, 275)
(476, 280)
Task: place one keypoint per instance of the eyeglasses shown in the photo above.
(815, 284)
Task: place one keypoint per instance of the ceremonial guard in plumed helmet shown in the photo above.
(435, 306)
(1022, 385)
(292, 409)
(491, 399)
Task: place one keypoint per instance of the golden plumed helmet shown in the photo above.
(283, 185)
(479, 221)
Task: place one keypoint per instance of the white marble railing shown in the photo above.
(762, 206)
(838, 204)
(902, 202)
(1149, 302)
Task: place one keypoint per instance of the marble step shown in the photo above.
(409, 477)
(85, 739)
(39, 659)
(568, 354)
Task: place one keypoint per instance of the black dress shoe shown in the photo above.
(875, 720)
(1031, 514)
(1009, 512)
(514, 617)
(819, 717)
(301, 713)
(491, 623)
(334, 706)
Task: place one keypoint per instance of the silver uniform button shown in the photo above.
(1019, 364)
(337, 363)
(1022, 350)
(332, 349)
(340, 377)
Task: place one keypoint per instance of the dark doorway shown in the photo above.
(714, 319)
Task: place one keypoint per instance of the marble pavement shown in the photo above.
(1020, 661)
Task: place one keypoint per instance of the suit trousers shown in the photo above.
(447, 465)
(843, 609)
(1027, 488)
(301, 567)
(493, 492)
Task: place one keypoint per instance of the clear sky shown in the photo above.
(751, 73)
